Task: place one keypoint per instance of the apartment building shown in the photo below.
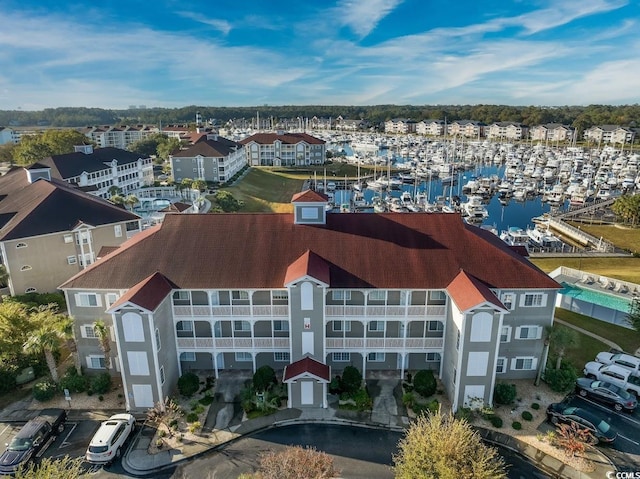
(49, 230)
(309, 293)
(400, 125)
(211, 158)
(507, 130)
(609, 134)
(552, 132)
(430, 127)
(466, 128)
(7, 135)
(108, 136)
(97, 170)
(284, 149)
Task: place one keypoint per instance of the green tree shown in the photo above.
(53, 468)
(45, 340)
(15, 328)
(167, 147)
(34, 148)
(6, 152)
(199, 185)
(101, 331)
(117, 199)
(627, 207)
(633, 316)
(227, 202)
(130, 201)
(148, 146)
(264, 378)
(561, 338)
(441, 446)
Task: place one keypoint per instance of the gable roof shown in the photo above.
(385, 250)
(468, 292)
(309, 196)
(288, 138)
(73, 164)
(147, 294)
(306, 366)
(44, 207)
(309, 265)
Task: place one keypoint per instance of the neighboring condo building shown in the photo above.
(310, 293)
(96, 171)
(49, 230)
(118, 136)
(507, 130)
(212, 158)
(552, 132)
(284, 149)
(609, 134)
(7, 135)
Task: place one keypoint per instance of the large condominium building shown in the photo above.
(552, 132)
(507, 130)
(466, 128)
(49, 230)
(430, 127)
(97, 171)
(284, 149)
(400, 125)
(7, 135)
(212, 158)
(310, 293)
(118, 136)
(609, 134)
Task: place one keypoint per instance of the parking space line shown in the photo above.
(64, 441)
(8, 426)
(630, 440)
(621, 414)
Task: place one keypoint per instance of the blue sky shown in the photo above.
(175, 53)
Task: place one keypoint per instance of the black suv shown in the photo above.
(34, 437)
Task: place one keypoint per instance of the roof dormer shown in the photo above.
(86, 149)
(38, 171)
(310, 208)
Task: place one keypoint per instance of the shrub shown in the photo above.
(527, 416)
(89, 392)
(162, 433)
(496, 421)
(433, 406)
(206, 400)
(101, 398)
(408, 399)
(100, 383)
(44, 390)
(424, 383)
(363, 400)
(198, 408)
(188, 384)
(264, 378)
(465, 414)
(504, 393)
(516, 425)
(535, 406)
(74, 382)
(561, 380)
(334, 386)
(351, 379)
(194, 426)
(192, 417)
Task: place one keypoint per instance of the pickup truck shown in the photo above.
(614, 374)
(32, 439)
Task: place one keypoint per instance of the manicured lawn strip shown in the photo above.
(580, 354)
(264, 191)
(622, 236)
(628, 339)
(625, 269)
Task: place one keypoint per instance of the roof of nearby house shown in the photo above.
(177, 207)
(220, 147)
(43, 207)
(306, 365)
(388, 250)
(289, 138)
(70, 165)
(467, 292)
(147, 294)
(309, 196)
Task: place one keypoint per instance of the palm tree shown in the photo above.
(561, 339)
(130, 201)
(45, 339)
(101, 331)
(117, 199)
(66, 328)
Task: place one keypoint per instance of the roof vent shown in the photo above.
(86, 149)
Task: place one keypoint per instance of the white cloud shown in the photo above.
(362, 16)
(222, 26)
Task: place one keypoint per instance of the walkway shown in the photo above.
(609, 343)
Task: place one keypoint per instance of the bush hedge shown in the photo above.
(496, 421)
(188, 384)
(73, 381)
(424, 383)
(100, 383)
(264, 378)
(192, 417)
(351, 380)
(44, 390)
(516, 425)
(561, 380)
(504, 393)
(527, 416)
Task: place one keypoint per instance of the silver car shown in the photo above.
(606, 393)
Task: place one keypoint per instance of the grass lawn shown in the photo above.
(584, 351)
(628, 339)
(625, 269)
(622, 236)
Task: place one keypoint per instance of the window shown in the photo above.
(84, 236)
(458, 340)
(508, 299)
(184, 326)
(377, 295)
(341, 295)
(21, 245)
(87, 299)
(26, 267)
(241, 326)
(243, 357)
(376, 326)
(240, 295)
(110, 298)
(433, 357)
(281, 356)
(161, 374)
(30, 290)
(529, 332)
(436, 326)
(523, 363)
(117, 230)
(341, 357)
(68, 238)
(132, 328)
(532, 300)
(87, 331)
(307, 213)
(481, 326)
(188, 357)
(158, 343)
(181, 295)
(281, 325)
(95, 362)
(505, 334)
(375, 357)
(342, 326)
(501, 365)
(437, 295)
(72, 260)
(280, 295)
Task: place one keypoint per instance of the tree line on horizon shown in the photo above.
(580, 117)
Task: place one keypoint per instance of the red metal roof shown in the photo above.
(306, 366)
(389, 250)
(309, 196)
(147, 294)
(309, 264)
(468, 292)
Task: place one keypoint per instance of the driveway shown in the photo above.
(226, 410)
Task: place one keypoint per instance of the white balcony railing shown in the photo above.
(237, 311)
(230, 344)
(379, 344)
(382, 311)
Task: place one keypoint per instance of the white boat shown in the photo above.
(543, 238)
(515, 236)
(474, 209)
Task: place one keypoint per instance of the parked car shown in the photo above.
(106, 444)
(607, 393)
(600, 430)
(32, 439)
(614, 374)
(623, 360)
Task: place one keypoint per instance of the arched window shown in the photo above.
(21, 245)
(26, 267)
(31, 290)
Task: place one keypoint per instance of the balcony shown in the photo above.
(231, 344)
(384, 344)
(354, 312)
(262, 311)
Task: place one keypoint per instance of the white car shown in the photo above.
(106, 444)
(614, 374)
(626, 361)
